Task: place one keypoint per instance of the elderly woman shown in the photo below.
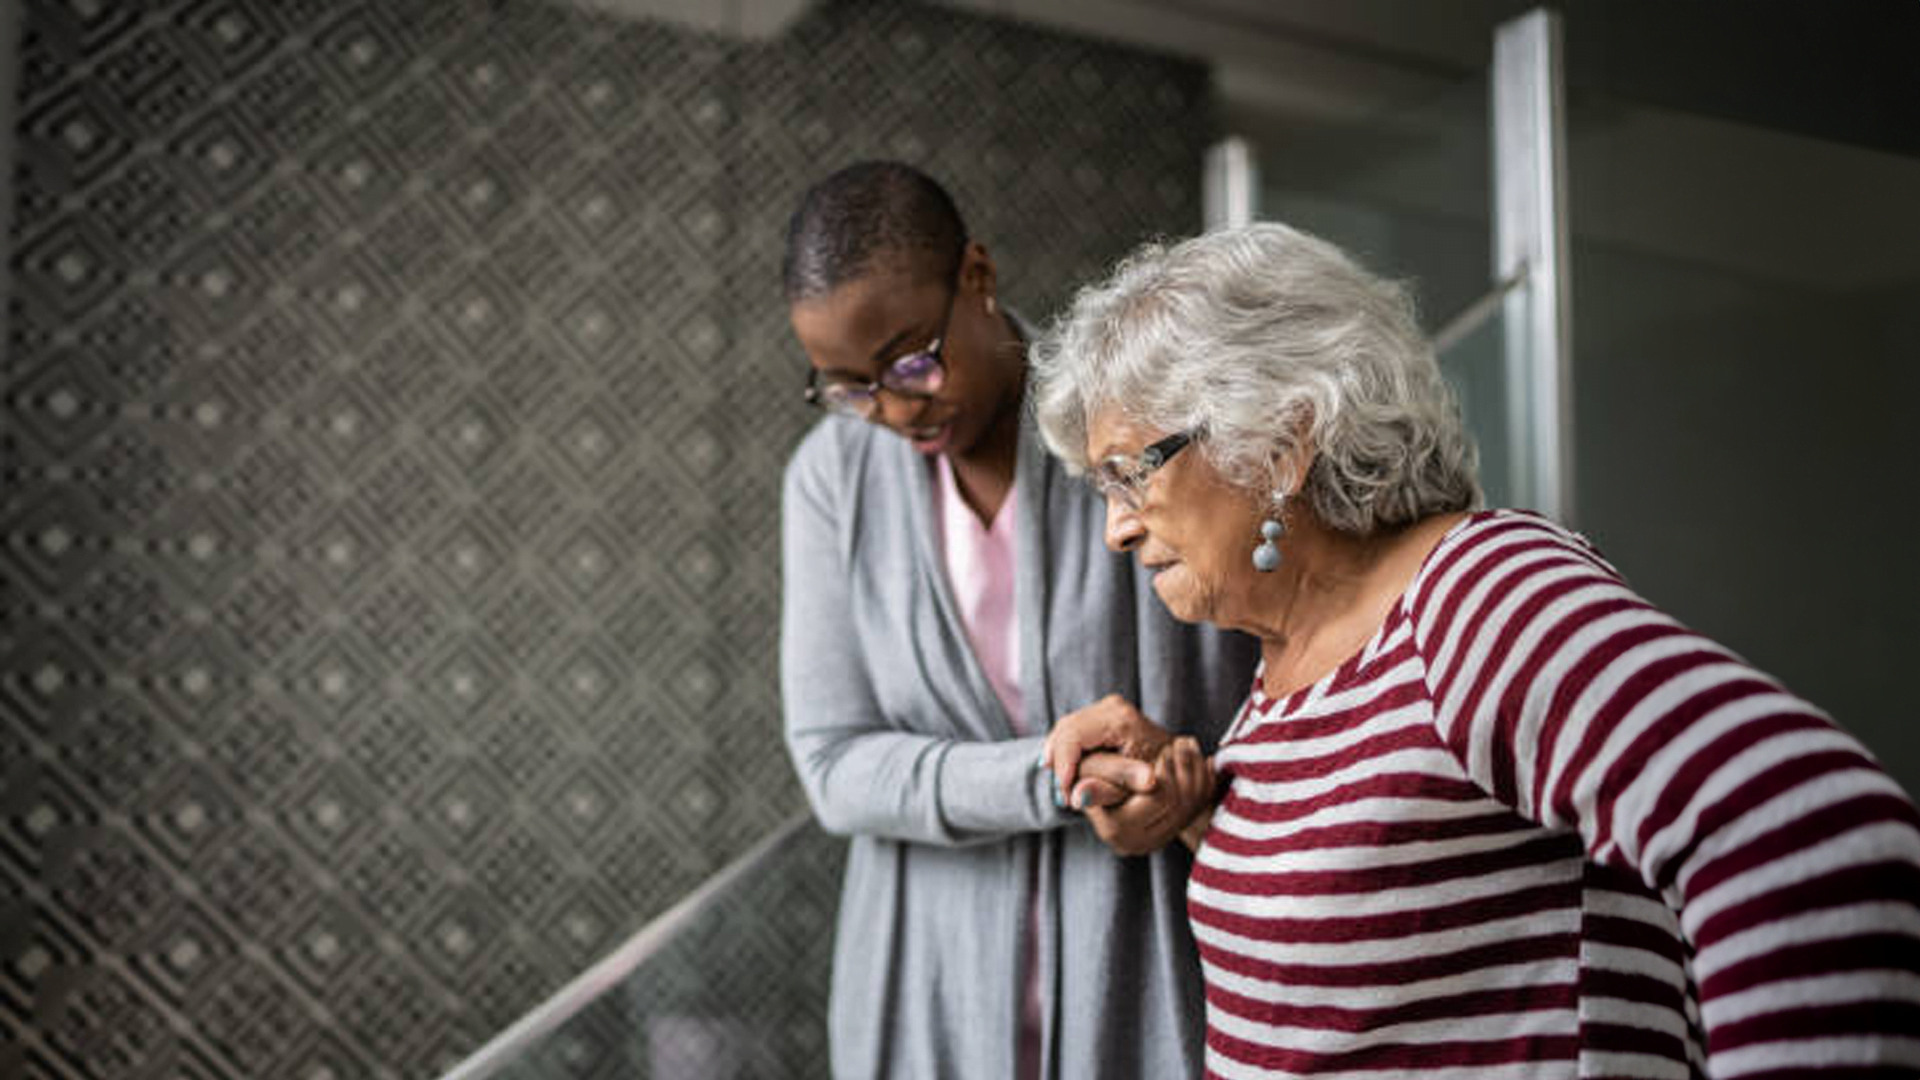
(1485, 811)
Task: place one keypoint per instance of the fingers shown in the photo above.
(1190, 776)
(1138, 826)
(1108, 827)
(1131, 733)
(1091, 794)
(1112, 723)
(1096, 727)
(1133, 822)
(1189, 772)
(1107, 779)
(1122, 772)
(1062, 755)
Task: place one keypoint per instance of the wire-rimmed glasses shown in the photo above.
(918, 374)
(1124, 477)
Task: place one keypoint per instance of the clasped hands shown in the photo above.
(1139, 786)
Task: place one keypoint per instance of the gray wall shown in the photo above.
(1744, 424)
(395, 401)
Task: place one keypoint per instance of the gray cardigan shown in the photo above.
(902, 745)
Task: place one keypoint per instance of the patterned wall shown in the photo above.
(394, 404)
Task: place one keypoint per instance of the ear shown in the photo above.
(1288, 466)
(978, 279)
(1293, 453)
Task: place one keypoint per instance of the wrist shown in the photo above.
(1195, 832)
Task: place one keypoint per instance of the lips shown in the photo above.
(930, 440)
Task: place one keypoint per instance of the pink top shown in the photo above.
(980, 569)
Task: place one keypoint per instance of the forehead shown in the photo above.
(844, 329)
(1110, 432)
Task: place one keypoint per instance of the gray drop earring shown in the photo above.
(1266, 557)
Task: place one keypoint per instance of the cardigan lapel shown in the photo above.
(1035, 471)
(930, 562)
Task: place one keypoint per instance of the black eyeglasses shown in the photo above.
(1125, 478)
(918, 374)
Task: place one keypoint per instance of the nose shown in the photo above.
(1125, 531)
(897, 411)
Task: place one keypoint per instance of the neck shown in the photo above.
(1322, 574)
(1331, 593)
(985, 471)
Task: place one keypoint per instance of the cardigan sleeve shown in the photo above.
(1791, 859)
(862, 773)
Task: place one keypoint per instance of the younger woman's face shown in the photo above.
(901, 307)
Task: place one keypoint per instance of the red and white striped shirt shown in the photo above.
(1537, 828)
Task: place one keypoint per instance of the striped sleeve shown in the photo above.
(1792, 859)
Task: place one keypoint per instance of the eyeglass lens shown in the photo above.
(918, 373)
(1126, 478)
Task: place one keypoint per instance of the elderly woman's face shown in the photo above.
(1195, 531)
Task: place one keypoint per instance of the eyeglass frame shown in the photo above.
(1125, 477)
(816, 395)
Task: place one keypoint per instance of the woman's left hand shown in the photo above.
(1148, 821)
(1112, 723)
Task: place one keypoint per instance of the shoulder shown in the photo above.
(829, 457)
(1494, 555)
(826, 442)
(1495, 541)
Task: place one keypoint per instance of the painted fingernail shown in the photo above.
(1080, 799)
(1059, 800)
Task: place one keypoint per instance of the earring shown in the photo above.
(1266, 557)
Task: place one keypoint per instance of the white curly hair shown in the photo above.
(1260, 338)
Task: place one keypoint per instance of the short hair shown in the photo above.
(1258, 336)
(860, 215)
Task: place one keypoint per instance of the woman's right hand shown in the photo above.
(1112, 723)
(1181, 802)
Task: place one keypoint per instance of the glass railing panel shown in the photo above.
(730, 985)
(1407, 189)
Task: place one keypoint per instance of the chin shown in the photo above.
(1182, 601)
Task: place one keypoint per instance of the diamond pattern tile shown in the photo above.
(395, 405)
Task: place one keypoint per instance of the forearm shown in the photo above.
(872, 764)
(992, 789)
(1809, 925)
(923, 789)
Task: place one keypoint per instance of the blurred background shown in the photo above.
(395, 396)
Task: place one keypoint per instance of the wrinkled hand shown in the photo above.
(1147, 821)
(1107, 779)
(1112, 723)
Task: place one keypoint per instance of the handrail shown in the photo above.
(589, 985)
(1476, 314)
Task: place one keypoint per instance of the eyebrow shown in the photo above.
(888, 349)
(1111, 449)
